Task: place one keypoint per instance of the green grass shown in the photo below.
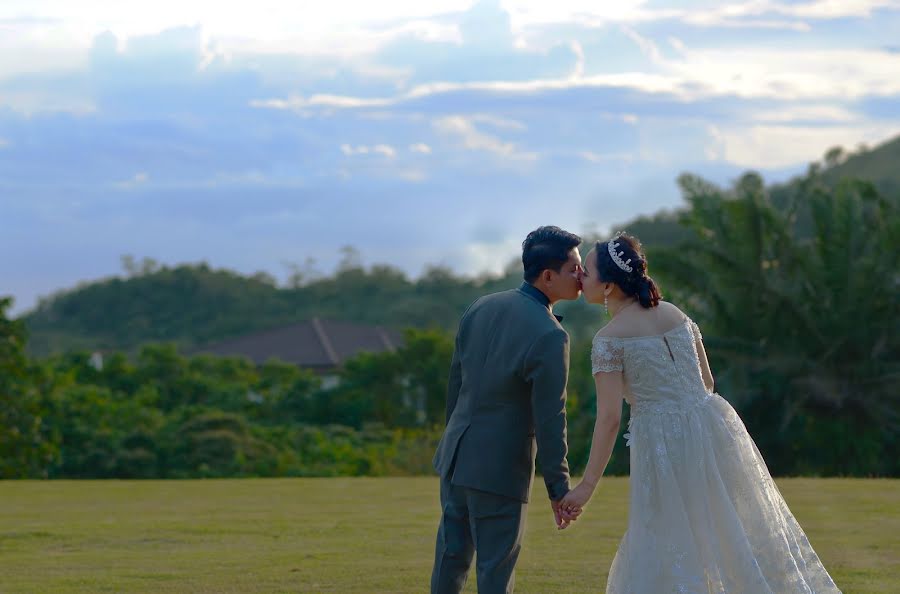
(361, 535)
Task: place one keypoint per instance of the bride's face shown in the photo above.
(591, 287)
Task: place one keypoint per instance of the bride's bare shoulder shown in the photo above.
(671, 311)
(643, 322)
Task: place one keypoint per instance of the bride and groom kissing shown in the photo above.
(704, 513)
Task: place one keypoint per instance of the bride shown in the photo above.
(704, 513)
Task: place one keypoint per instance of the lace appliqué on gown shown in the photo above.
(606, 354)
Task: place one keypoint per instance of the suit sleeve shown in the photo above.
(547, 369)
(455, 381)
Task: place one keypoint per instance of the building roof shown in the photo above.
(316, 343)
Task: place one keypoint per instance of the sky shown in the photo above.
(257, 136)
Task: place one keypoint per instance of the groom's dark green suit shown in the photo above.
(507, 387)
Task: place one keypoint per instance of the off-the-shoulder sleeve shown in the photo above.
(695, 330)
(607, 354)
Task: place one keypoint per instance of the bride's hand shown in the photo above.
(577, 498)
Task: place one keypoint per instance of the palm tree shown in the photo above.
(802, 328)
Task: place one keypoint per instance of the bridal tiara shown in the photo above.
(616, 255)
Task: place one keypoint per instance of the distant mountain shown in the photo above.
(187, 304)
(880, 166)
(194, 305)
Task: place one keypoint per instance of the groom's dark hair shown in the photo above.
(546, 248)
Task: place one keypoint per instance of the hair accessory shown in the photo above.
(616, 255)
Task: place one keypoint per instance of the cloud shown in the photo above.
(383, 149)
(818, 9)
(696, 74)
(473, 139)
(808, 114)
(378, 149)
(139, 179)
(774, 146)
(504, 89)
(648, 47)
(141, 139)
(605, 158)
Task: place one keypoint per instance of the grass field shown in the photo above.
(358, 535)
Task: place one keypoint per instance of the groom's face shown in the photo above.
(567, 282)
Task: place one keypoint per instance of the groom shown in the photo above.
(507, 387)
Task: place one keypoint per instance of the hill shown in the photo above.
(881, 166)
(193, 305)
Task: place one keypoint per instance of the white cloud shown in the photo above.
(648, 48)
(498, 122)
(345, 27)
(605, 157)
(475, 140)
(530, 14)
(4, 143)
(420, 147)
(350, 151)
(760, 13)
(646, 82)
(412, 175)
(787, 74)
(139, 179)
(807, 113)
(818, 9)
(713, 20)
(489, 256)
(578, 70)
(297, 102)
(384, 149)
(677, 45)
(782, 146)
(748, 72)
(361, 149)
(41, 34)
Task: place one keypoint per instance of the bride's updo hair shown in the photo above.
(636, 283)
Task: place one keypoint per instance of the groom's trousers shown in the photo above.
(476, 523)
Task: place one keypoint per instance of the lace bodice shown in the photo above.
(660, 371)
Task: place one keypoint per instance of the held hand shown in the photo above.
(563, 518)
(576, 499)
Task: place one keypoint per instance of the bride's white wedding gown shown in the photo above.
(704, 514)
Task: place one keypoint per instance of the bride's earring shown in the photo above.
(606, 304)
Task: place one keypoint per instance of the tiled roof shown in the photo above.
(315, 343)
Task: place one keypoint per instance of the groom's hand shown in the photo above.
(563, 518)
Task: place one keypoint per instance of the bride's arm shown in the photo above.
(705, 371)
(610, 387)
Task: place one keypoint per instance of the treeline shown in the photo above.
(161, 414)
(798, 303)
(164, 415)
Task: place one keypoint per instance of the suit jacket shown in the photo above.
(507, 387)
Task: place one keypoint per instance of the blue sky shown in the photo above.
(259, 134)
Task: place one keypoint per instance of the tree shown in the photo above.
(834, 157)
(424, 366)
(26, 448)
(802, 329)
